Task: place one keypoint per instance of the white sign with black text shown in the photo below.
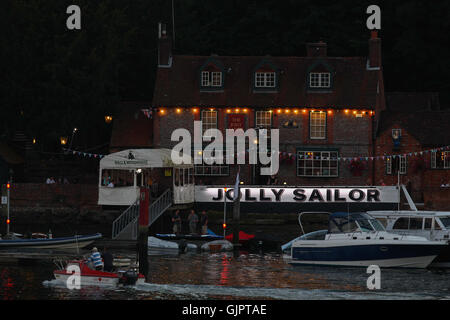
(388, 194)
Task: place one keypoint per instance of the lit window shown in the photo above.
(264, 79)
(317, 124)
(440, 159)
(209, 120)
(319, 80)
(397, 164)
(317, 163)
(263, 119)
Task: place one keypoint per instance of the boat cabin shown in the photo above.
(433, 225)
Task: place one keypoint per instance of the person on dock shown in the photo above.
(193, 221)
(176, 219)
(96, 259)
(107, 260)
(204, 222)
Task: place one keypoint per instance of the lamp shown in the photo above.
(108, 118)
(63, 140)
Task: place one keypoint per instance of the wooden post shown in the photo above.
(236, 214)
(142, 244)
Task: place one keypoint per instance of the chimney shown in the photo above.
(164, 47)
(318, 49)
(374, 50)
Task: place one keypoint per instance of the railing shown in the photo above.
(129, 215)
(159, 206)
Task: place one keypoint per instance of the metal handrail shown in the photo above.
(122, 221)
(159, 206)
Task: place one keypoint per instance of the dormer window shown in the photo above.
(319, 80)
(211, 79)
(265, 79)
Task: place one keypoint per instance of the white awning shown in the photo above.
(143, 158)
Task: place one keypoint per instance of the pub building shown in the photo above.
(327, 110)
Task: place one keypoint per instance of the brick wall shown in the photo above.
(53, 195)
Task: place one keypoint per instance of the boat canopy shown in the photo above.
(143, 158)
(340, 222)
(122, 174)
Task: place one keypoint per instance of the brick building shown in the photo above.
(326, 109)
(335, 121)
(413, 140)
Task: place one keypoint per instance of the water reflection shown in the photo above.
(224, 275)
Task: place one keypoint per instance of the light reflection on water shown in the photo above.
(224, 276)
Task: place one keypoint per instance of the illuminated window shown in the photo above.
(263, 119)
(319, 80)
(398, 163)
(209, 120)
(317, 125)
(317, 163)
(440, 159)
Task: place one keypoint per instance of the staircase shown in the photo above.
(125, 227)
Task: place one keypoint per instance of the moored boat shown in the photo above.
(433, 225)
(74, 242)
(357, 239)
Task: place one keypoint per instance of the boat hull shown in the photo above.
(94, 280)
(388, 255)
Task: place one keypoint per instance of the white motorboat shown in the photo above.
(357, 239)
(433, 225)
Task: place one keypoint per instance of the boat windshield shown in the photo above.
(369, 225)
(341, 222)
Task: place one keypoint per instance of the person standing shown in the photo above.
(204, 222)
(193, 221)
(176, 219)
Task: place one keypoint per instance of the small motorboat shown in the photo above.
(156, 245)
(92, 277)
(217, 246)
(74, 242)
(433, 225)
(358, 239)
(172, 236)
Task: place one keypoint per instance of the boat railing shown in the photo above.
(122, 221)
(159, 206)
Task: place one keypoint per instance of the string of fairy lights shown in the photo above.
(149, 112)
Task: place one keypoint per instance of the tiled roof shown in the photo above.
(353, 85)
(131, 128)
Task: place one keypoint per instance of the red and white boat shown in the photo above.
(91, 277)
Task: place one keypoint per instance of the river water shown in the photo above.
(217, 276)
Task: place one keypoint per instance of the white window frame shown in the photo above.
(209, 120)
(445, 161)
(263, 119)
(211, 79)
(319, 80)
(265, 79)
(317, 161)
(388, 165)
(402, 165)
(317, 126)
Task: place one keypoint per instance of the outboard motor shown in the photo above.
(129, 277)
(182, 246)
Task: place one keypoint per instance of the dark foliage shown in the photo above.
(53, 79)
